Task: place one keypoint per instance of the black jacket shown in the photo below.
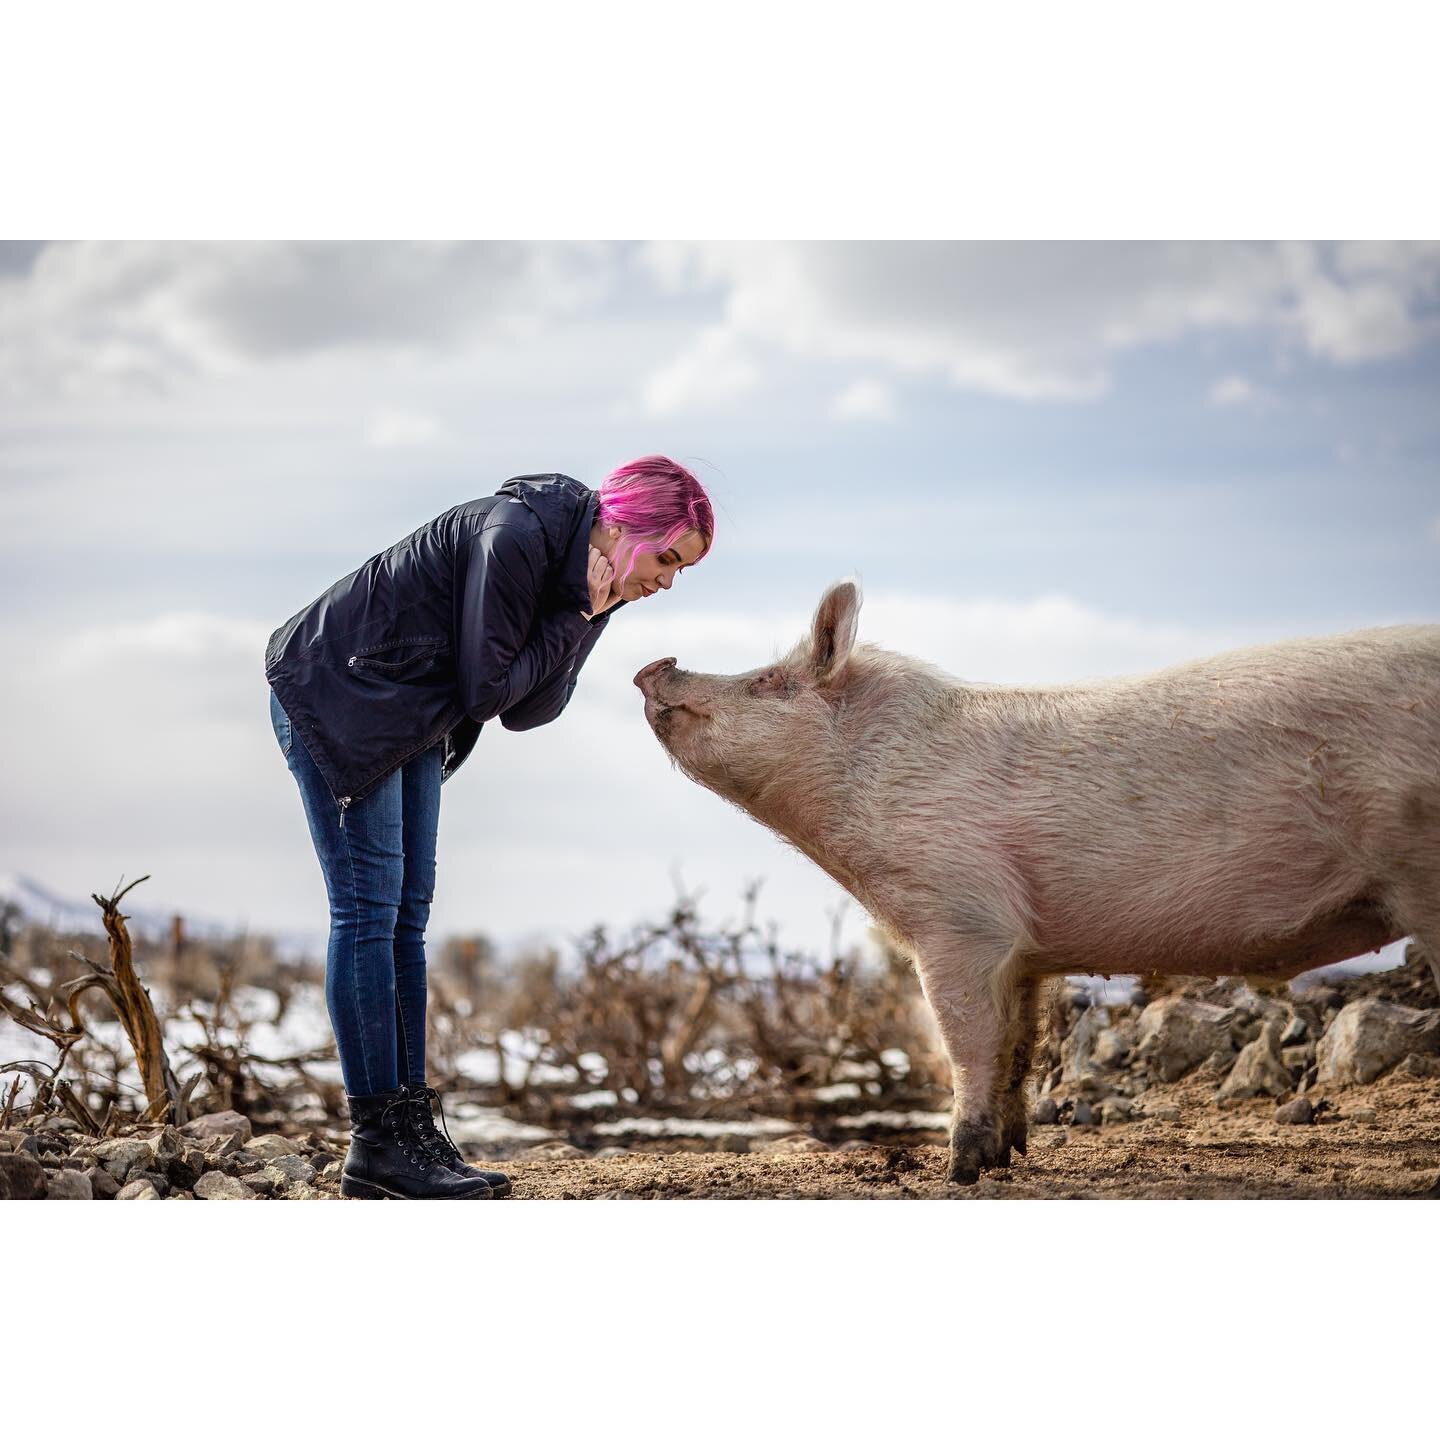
(475, 615)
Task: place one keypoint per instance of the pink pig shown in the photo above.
(1270, 810)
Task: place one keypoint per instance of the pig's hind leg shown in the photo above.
(1014, 1102)
(974, 1009)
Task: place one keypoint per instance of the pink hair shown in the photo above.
(658, 502)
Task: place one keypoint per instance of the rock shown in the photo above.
(138, 1190)
(272, 1147)
(243, 1163)
(22, 1177)
(1077, 1050)
(554, 1150)
(290, 1170)
(1046, 1112)
(611, 1152)
(1362, 1115)
(218, 1186)
(119, 1157)
(160, 1183)
(333, 1170)
(1298, 1112)
(262, 1183)
(13, 1140)
(1116, 1110)
(221, 1147)
(1419, 1067)
(1297, 1059)
(1216, 1065)
(799, 1144)
(1369, 1037)
(1295, 1033)
(164, 1146)
(1175, 1034)
(305, 1192)
(1083, 1114)
(103, 1185)
(180, 1195)
(1161, 1112)
(1112, 1045)
(1258, 1069)
(209, 1127)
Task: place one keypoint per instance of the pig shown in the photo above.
(1261, 813)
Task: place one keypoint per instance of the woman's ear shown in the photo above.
(832, 633)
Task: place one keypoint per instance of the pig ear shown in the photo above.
(832, 633)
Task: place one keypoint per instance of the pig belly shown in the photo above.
(1353, 929)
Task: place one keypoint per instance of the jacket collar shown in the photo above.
(567, 511)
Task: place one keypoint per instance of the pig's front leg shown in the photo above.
(1020, 1049)
(960, 991)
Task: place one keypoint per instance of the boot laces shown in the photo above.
(422, 1097)
(397, 1112)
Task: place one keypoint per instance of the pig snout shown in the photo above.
(646, 678)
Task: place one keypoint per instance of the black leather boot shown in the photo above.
(441, 1145)
(389, 1160)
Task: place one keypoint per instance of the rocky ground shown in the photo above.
(1200, 1090)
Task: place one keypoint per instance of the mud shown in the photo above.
(1206, 1153)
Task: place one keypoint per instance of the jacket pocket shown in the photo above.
(397, 659)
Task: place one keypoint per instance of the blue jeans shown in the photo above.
(379, 870)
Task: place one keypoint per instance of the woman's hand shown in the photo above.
(601, 576)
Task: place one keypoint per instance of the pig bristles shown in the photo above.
(1260, 813)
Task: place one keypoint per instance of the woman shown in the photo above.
(378, 692)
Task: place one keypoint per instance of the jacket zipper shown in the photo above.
(344, 804)
(345, 801)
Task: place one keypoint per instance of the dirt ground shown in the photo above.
(1207, 1154)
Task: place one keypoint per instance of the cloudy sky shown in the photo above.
(1044, 461)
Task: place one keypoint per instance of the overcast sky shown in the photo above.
(1044, 461)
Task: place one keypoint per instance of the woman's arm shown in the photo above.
(499, 658)
(551, 696)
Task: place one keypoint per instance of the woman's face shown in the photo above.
(652, 571)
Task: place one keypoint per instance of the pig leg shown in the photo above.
(973, 1026)
(1014, 1107)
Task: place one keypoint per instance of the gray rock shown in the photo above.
(69, 1185)
(12, 1140)
(103, 1185)
(1115, 1110)
(1216, 1065)
(1046, 1112)
(1369, 1037)
(262, 1183)
(611, 1152)
(1258, 1069)
(1077, 1050)
(1083, 1114)
(165, 1147)
(1297, 1059)
(799, 1144)
(161, 1184)
(221, 1147)
(138, 1190)
(218, 1186)
(1161, 1112)
(1175, 1034)
(1294, 1033)
(290, 1170)
(1361, 1114)
(272, 1147)
(1112, 1045)
(1298, 1112)
(209, 1127)
(119, 1157)
(22, 1177)
(244, 1163)
(1419, 1067)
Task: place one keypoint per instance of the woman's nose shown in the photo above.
(664, 581)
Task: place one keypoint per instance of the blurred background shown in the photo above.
(1044, 461)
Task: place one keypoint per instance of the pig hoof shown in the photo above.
(1015, 1137)
(973, 1148)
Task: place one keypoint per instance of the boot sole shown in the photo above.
(368, 1190)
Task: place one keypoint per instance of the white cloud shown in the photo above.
(711, 374)
(1045, 321)
(117, 317)
(402, 430)
(1236, 392)
(864, 400)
